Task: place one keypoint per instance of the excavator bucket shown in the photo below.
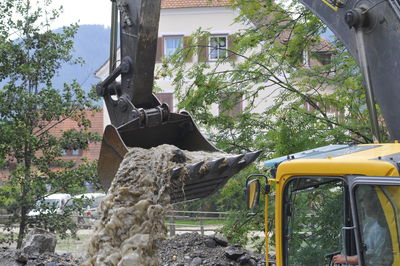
(183, 133)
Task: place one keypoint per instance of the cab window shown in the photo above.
(315, 214)
(377, 210)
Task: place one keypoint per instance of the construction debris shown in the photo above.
(192, 249)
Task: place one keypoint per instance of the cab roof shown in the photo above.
(366, 159)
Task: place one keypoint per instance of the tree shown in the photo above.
(311, 105)
(31, 108)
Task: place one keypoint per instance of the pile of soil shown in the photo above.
(192, 249)
(14, 257)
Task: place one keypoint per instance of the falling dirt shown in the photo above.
(132, 220)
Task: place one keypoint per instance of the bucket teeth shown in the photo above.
(194, 169)
(215, 165)
(204, 178)
(176, 173)
(233, 161)
(251, 156)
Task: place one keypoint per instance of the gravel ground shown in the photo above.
(13, 257)
(192, 249)
(189, 249)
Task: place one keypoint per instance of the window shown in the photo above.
(324, 58)
(74, 152)
(171, 45)
(218, 46)
(315, 213)
(232, 106)
(319, 58)
(377, 208)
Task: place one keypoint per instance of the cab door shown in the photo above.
(376, 214)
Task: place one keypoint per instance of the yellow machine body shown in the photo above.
(362, 163)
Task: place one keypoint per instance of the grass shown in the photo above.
(73, 245)
(76, 247)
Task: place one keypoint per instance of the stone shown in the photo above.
(233, 252)
(196, 262)
(246, 260)
(211, 243)
(39, 241)
(220, 240)
(21, 257)
(198, 253)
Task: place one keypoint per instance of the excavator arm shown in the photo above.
(370, 30)
(138, 119)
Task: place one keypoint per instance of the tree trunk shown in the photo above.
(24, 191)
(22, 226)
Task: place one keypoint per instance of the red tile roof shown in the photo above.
(193, 3)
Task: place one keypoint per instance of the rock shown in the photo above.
(246, 260)
(196, 262)
(179, 156)
(198, 253)
(221, 240)
(39, 241)
(234, 252)
(21, 257)
(50, 264)
(211, 243)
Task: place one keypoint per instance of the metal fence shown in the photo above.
(176, 221)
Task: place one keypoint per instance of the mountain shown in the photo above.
(92, 44)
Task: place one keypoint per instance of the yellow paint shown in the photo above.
(330, 5)
(390, 215)
(252, 194)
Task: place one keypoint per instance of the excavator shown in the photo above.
(339, 204)
(334, 205)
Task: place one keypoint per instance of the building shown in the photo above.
(179, 19)
(91, 153)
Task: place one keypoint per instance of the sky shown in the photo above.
(83, 12)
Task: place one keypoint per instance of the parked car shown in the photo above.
(52, 203)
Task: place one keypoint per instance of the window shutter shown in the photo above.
(231, 47)
(203, 50)
(160, 48)
(188, 52)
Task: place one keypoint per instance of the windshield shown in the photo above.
(314, 212)
(378, 217)
(55, 203)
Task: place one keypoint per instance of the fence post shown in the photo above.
(201, 227)
(172, 226)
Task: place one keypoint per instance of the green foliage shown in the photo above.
(305, 105)
(31, 108)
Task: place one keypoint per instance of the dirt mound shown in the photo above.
(14, 257)
(192, 249)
